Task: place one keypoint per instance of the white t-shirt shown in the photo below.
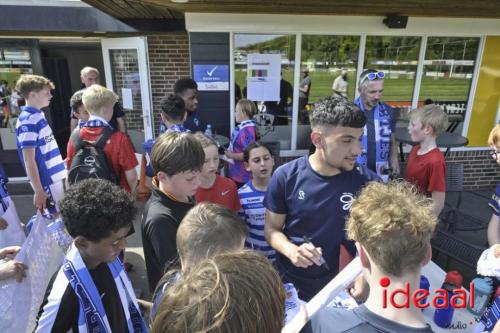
(340, 85)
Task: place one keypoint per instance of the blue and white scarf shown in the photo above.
(174, 128)
(382, 116)
(4, 194)
(92, 317)
(96, 121)
(178, 128)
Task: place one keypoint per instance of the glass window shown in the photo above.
(328, 66)
(397, 57)
(125, 74)
(448, 70)
(13, 63)
(274, 119)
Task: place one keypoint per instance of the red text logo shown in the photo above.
(401, 298)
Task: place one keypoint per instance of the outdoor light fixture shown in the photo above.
(179, 1)
(396, 22)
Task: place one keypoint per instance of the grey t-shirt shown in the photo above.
(305, 82)
(358, 320)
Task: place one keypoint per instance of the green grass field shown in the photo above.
(401, 89)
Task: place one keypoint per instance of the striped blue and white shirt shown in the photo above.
(3, 191)
(254, 214)
(33, 131)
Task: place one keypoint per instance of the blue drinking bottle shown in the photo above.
(424, 284)
(444, 316)
(148, 147)
(483, 288)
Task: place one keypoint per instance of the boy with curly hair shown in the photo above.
(385, 222)
(91, 292)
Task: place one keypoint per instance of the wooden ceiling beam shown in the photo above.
(426, 8)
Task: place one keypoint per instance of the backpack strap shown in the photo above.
(106, 133)
(77, 141)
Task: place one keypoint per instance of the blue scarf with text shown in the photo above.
(382, 117)
(92, 316)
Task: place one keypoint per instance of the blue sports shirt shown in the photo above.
(316, 206)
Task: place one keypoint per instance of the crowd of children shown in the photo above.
(197, 222)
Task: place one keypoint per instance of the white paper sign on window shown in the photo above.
(263, 77)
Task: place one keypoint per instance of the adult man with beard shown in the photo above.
(308, 198)
(380, 151)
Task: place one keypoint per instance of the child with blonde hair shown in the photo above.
(207, 230)
(426, 166)
(99, 102)
(213, 187)
(386, 221)
(241, 137)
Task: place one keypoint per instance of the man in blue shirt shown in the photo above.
(187, 89)
(308, 199)
(380, 152)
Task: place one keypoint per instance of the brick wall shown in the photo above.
(480, 170)
(168, 61)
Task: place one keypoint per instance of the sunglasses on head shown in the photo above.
(373, 76)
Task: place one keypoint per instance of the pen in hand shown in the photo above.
(321, 259)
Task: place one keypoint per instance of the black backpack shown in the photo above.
(90, 161)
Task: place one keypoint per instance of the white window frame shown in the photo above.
(363, 27)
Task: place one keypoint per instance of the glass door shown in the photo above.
(127, 74)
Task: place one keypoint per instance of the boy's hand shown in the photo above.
(14, 269)
(9, 252)
(395, 165)
(40, 200)
(3, 224)
(359, 289)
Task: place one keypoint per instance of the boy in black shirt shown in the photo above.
(176, 160)
(91, 292)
